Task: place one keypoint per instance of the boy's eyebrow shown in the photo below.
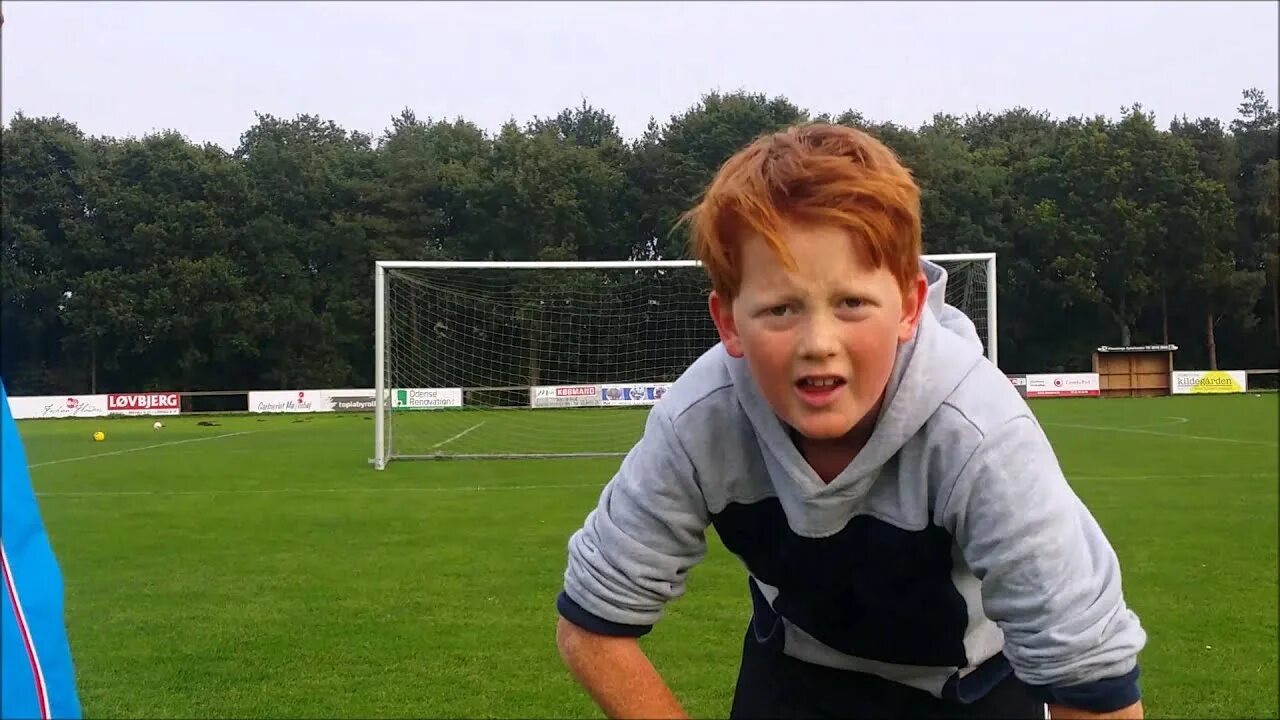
(867, 298)
(857, 292)
(777, 284)
(766, 298)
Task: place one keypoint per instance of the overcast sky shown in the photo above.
(129, 68)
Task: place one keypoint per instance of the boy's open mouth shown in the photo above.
(819, 391)
(819, 382)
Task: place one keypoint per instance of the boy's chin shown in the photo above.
(853, 425)
(824, 429)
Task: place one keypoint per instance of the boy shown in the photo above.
(912, 546)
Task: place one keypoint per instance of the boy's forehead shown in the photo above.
(757, 258)
(828, 266)
(815, 250)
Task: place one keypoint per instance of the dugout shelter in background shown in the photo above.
(1135, 371)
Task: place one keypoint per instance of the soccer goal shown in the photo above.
(554, 359)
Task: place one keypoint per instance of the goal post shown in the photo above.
(557, 358)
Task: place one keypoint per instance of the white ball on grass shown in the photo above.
(157, 425)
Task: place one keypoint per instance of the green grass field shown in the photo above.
(262, 568)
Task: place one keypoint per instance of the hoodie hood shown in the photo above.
(928, 369)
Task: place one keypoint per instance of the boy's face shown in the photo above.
(820, 342)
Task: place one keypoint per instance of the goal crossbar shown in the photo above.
(602, 264)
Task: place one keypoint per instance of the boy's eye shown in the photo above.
(779, 310)
(853, 303)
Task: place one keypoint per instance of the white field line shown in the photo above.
(1179, 436)
(1172, 420)
(455, 437)
(505, 488)
(138, 449)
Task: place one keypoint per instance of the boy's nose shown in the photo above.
(819, 340)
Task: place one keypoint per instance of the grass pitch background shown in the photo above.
(261, 568)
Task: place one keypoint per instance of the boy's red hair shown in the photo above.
(813, 173)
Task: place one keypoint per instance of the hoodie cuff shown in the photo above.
(1100, 696)
(576, 614)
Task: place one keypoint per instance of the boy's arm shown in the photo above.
(1050, 579)
(629, 559)
(616, 673)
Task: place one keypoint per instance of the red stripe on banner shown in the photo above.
(42, 691)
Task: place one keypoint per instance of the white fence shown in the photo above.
(1038, 385)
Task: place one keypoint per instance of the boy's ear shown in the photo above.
(913, 301)
(722, 316)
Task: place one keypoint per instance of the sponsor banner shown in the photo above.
(632, 393)
(57, 406)
(1063, 385)
(424, 398)
(288, 401)
(1138, 348)
(312, 401)
(351, 400)
(1020, 383)
(558, 396)
(144, 404)
(1209, 382)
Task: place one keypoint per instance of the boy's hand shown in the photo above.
(1059, 712)
(616, 673)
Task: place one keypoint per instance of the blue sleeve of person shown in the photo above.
(38, 674)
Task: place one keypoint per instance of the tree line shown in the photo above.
(155, 263)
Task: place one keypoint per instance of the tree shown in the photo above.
(1039, 264)
(1267, 222)
(1191, 233)
(49, 171)
(678, 160)
(428, 179)
(154, 262)
(166, 210)
(548, 198)
(312, 236)
(1257, 135)
(963, 192)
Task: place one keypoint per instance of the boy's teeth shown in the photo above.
(821, 382)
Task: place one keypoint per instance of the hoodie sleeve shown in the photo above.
(1050, 579)
(633, 553)
(37, 674)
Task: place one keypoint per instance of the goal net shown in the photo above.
(553, 359)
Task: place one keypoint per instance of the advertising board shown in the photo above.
(626, 394)
(287, 401)
(1209, 382)
(343, 400)
(356, 400)
(561, 396)
(1020, 383)
(35, 407)
(144, 403)
(1063, 385)
(424, 398)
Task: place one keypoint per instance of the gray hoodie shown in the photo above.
(950, 552)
